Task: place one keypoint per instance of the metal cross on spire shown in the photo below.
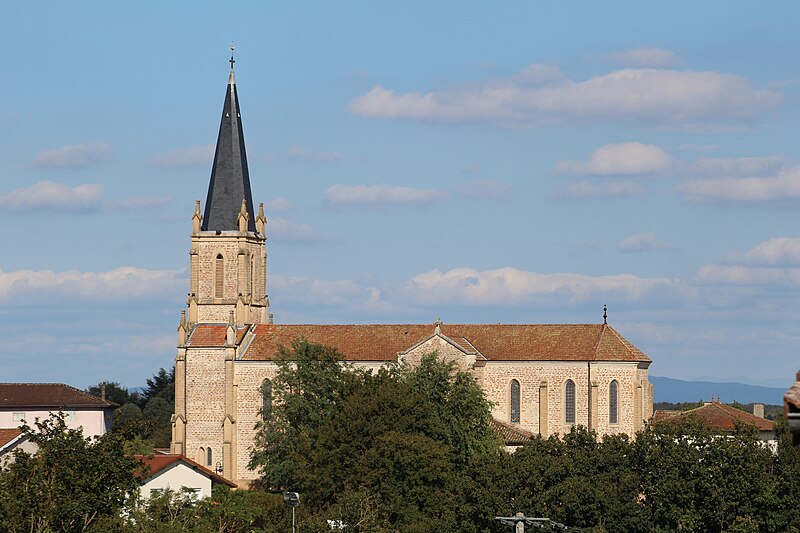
(232, 60)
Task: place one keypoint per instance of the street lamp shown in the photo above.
(292, 499)
(519, 521)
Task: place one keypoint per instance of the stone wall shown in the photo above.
(205, 401)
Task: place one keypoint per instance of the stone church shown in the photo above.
(541, 378)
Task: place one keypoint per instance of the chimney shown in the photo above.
(103, 394)
(758, 410)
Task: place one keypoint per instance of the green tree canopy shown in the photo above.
(398, 440)
(70, 484)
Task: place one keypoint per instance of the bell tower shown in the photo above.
(227, 295)
(228, 259)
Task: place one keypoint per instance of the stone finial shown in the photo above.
(197, 218)
(244, 217)
(438, 324)
(182, 330)
(230, 337)
(261, 220)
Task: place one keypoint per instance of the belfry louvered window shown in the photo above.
(266, 399)
(569, 402)
(515, 401)
(613, 392)
(219, 276)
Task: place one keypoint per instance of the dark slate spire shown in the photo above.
(230, 180)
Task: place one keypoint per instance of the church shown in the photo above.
(541, 378)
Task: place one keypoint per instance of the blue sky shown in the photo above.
(478, 162)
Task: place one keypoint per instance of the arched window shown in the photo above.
(569, 402)
(201, 454)
(266, 399)
(514, 401)
(208, 456)
(219, 276)
(613, 392)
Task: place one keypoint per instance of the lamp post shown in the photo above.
(292, 499)
(519, 521)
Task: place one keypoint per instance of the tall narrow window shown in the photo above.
(201, 455)
(569, 402)
(266, 399)
(208, 456)
(219, 276)
(613, 391)
(252, 274)
(514, 401)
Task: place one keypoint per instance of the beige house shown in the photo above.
(541, 378)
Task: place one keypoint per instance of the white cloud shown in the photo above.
(139, 203)
(189, 156)
(605, 189)
(488, 189)
(285, 230)
(644, 57)
(662, 97)
(738, 167)
(324, 292)
(52, 196)
(620, 159)
(746, 275)
(783, 186)
(777, 251)
(473, 168)
(298, 152)
(509, 286)
(641, 242)
(279, 205)
(366, 195)
(772, 263)
(73, 155)
(124, 283)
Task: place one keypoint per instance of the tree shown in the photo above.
(388, 449)
(161, 385)
(70, 484)
(114, 392)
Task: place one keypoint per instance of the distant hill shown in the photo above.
(678, 390)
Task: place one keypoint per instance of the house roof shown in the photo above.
(382, 342)
(47, 395)
(718, 416)
(511, 435)
(213, 335)
(8, 435)
(159, 462)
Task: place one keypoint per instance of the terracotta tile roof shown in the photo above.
(717, 416)
(511, 435)
(497, 342)
(159, 462)
(47, 395)
(7, 435)
(213, 335)
(663, 414)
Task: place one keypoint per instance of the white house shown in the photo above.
(28, 401)
(176, 472)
